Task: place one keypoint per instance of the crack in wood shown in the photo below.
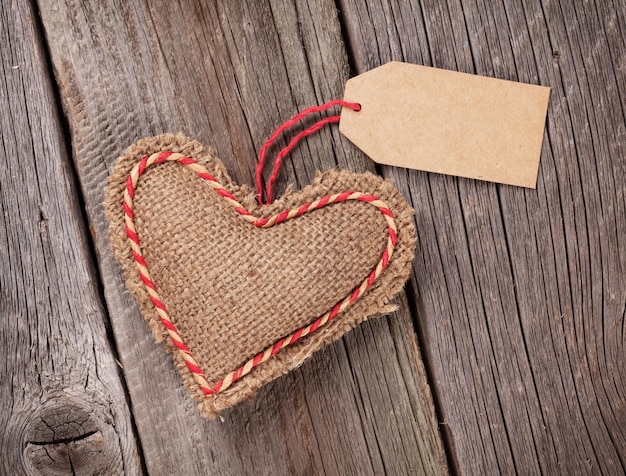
(63, 441)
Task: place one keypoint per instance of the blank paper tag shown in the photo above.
(448, 122)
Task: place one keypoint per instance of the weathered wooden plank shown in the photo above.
(64, 410)
(228, 73)
(522, 293)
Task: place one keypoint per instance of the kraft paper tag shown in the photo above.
(448, 122)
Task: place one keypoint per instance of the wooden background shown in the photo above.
(507, 352)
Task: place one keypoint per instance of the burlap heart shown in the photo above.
(249, 292)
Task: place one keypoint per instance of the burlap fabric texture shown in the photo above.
(233, 289)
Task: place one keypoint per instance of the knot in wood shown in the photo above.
(70, 435)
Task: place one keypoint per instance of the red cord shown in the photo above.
(286, 125)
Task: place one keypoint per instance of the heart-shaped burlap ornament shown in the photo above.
(248, 292)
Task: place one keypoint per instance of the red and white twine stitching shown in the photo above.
(144, 274)
(201, 171)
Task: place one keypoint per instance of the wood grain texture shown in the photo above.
(64, 410)
(521, 294)
(228, 73)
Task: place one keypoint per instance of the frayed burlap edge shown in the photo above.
(375, 301)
